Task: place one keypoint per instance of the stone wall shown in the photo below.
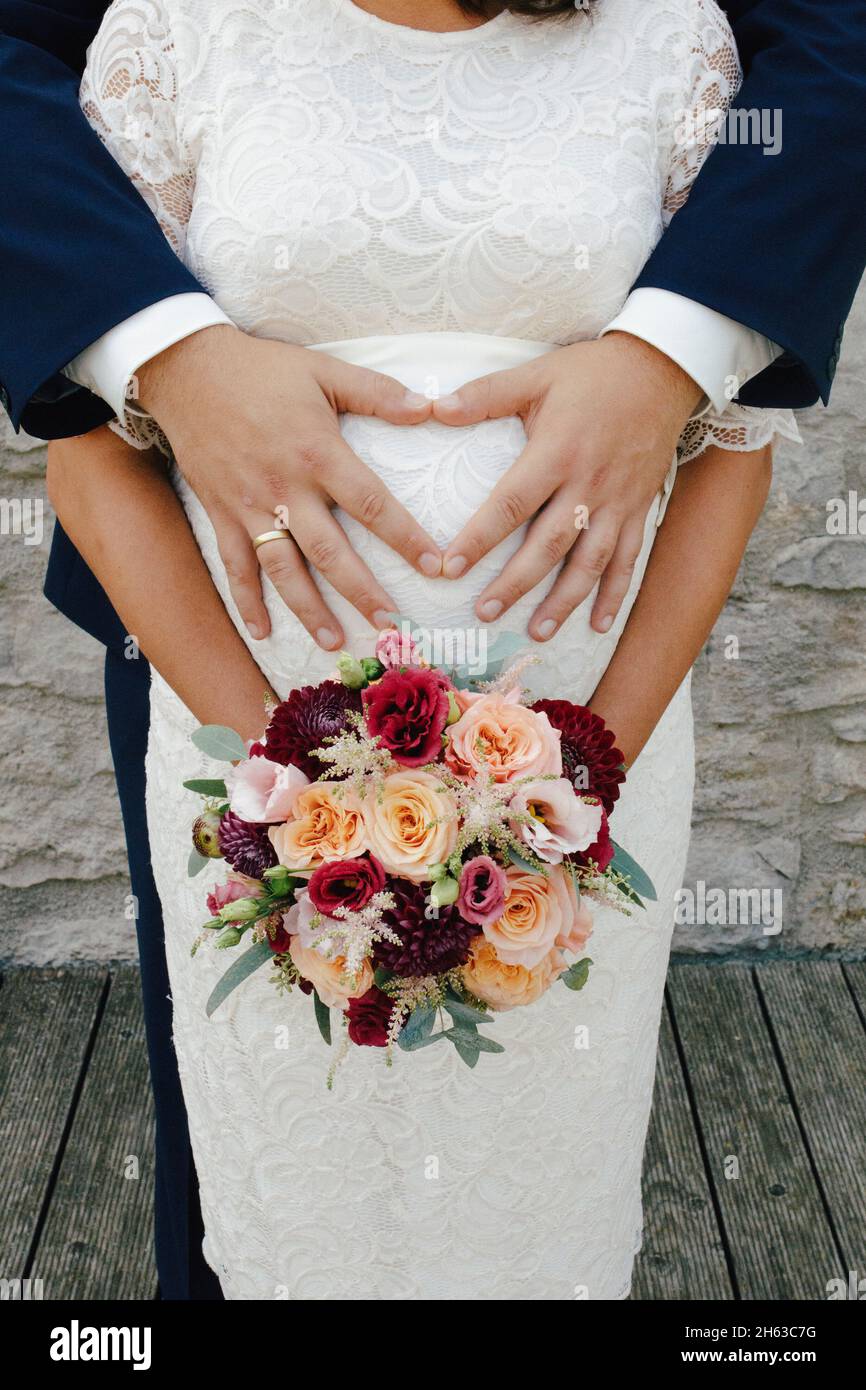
(780, 699)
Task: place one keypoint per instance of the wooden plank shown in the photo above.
(97, 1242)
(777, 1230)
(46, 1022)
(821, 1039)
(855, 977)
(683, 1255)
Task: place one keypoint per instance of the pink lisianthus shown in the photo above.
(298, 922)
(498, 735)
(481, 899)
(262, 791)
(236, 886)
(396, 648)
(562, 822)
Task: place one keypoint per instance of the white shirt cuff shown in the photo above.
(719, 354)
(109, 365)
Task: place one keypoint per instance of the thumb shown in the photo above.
(360, 391)
(492, 397)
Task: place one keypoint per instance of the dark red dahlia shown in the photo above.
(245, 846)
(590, 759)
(601, 852)
(427, 945)
(407, 710)
(369, 1016)
(305, 720)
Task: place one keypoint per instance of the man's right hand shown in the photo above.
(253, 425)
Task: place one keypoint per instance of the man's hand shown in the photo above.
(602, 421)
(253, 425)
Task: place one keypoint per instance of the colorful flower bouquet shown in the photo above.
(410, 846)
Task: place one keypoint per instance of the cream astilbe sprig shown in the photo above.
(483, 810)
(352, 933)
(508, 678)
(356, 758)
(602, 886)
(411, 992)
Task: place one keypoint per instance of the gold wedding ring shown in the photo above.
(270, 536)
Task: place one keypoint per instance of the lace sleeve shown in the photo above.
(714, 77)
(129, 95)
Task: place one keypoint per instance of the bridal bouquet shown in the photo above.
(408, 846)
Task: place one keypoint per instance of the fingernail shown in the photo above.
(604, 624)
(382, 618)
(490, 609)
(254, 630)
(326, 638)
(448, 401)
(415, 400)
(547, 627)
(430, 564)
(455, 566)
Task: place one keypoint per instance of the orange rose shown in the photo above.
(505, 986)
(539, 914)
(328, 977)
(399, 824)
(324, 825)
(498, 735)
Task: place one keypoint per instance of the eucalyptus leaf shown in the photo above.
(421, 1042)
(466, 1013)
(469, 1055)
(418, 1026)
(467, 1038)
(237, 972)
(323, 1017)
(576, 976)
(196, 863)
(519, 860)
(206, 786)
(638, 878)
(220, 742)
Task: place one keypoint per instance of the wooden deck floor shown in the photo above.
(755, 1172)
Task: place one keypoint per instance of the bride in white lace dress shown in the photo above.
(436, 205)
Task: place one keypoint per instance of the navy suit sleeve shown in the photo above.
(79, 248)
(778, 242)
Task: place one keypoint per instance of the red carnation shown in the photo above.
(369, 1016)
(602, 852)
(590, 759)
(408, 710)
(349, 883)
(305, 719)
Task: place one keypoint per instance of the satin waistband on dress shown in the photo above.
(435, 363)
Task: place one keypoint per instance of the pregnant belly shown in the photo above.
(442, 476)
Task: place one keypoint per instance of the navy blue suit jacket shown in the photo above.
(777, 242)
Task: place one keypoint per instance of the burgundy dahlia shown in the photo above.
(369, 1016)
(348, 883)
(305, 719)
(428, 946)
(246, 846)
(408, 710)
(590, 758)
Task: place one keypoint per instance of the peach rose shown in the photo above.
(328, 977)
(580, 929)
(562, 823)
(399, 828)
(509, 986)
(498, 735)
(539, 913)
(325, 825)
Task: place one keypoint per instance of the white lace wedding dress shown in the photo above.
(437, 205)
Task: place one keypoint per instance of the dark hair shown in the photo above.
(538, 9)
